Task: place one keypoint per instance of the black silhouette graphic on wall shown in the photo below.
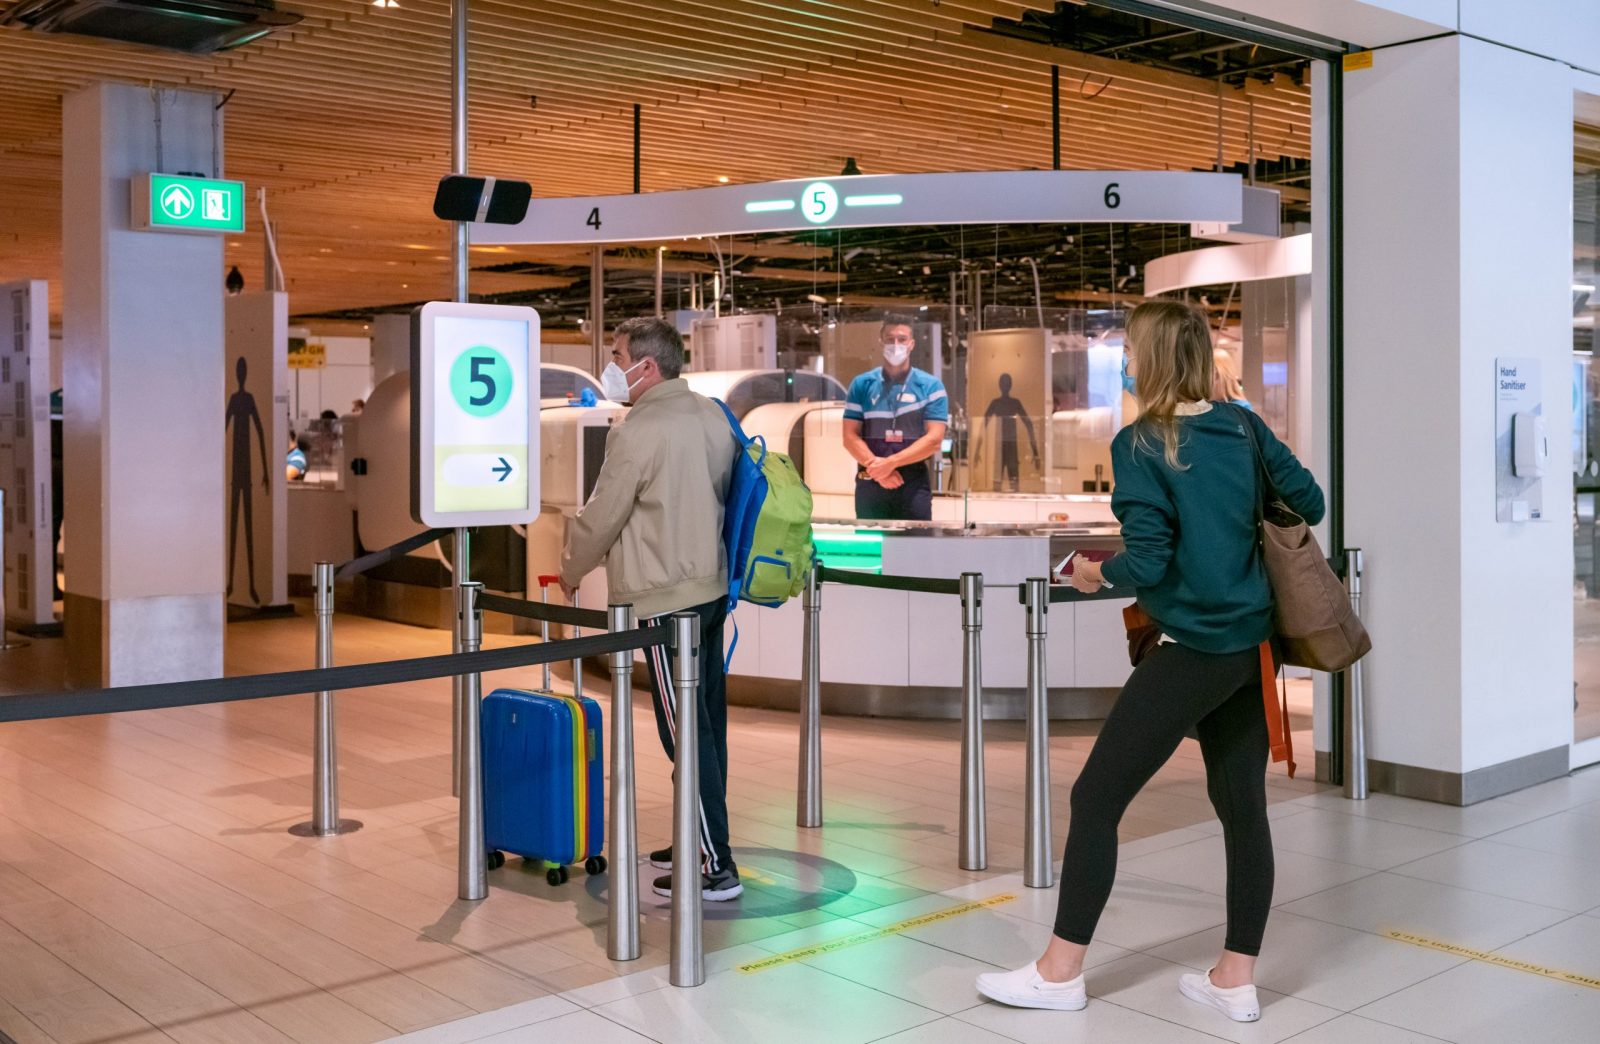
(1008, 410)
(242, 409)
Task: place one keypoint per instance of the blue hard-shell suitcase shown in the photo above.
(543, 794)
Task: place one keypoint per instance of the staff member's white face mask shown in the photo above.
(614, 381)
(896, 352)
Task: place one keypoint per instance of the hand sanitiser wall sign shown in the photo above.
(1521, 443)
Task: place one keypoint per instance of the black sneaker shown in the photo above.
(714, 888)
(661, 858)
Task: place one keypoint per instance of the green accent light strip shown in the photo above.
(762, 206)
(891, 200)
(848, 549)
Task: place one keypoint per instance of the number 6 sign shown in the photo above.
(474, 414)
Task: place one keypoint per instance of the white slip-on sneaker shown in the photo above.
(1239, 1003)
(1026, 988)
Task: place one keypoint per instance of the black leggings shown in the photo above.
(1176, 688)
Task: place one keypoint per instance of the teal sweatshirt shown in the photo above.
(1190, 542)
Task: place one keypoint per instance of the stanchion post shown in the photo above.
(622, 915)
(808, 795)
(461, 569)
(688, 966)
(1036, 870)
(472, 864)
(325, 748)
(974, 830)
(1355, 717)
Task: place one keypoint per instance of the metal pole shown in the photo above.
(1036, 870)
(636, 136)
(1055, 117)
(472, 863)
(808, 804)
(597, 307)
(324, 752)
(458, 132)
(1220, 88)
(661, 261)
(688, 967)
(460, 573)
(1355, 722)
(622, 913)
(460, 566)
(974, 831)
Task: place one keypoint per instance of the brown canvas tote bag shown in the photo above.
(1315, 626)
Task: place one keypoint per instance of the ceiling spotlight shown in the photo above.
(386, 3)
(722, 179)
(850, 168)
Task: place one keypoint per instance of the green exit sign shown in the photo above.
(176, 203)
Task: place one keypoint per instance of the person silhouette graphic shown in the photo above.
(242, 411)
(1007, 410)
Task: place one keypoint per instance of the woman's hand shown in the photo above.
(1086, 576)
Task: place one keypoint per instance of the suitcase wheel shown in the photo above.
(556, 875)
(595, 865)
(497, 859)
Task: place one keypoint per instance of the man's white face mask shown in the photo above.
(896, 352)
(614, 381)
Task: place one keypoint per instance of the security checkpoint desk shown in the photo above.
(898, 653)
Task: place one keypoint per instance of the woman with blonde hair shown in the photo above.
(1187, 496)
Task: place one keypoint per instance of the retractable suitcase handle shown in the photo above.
(545, 580)
(544, 625)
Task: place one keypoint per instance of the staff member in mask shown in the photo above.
(894, 420)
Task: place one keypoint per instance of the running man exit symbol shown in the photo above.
(214, 204)
(177, 202)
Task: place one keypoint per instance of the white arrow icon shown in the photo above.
(177, 202)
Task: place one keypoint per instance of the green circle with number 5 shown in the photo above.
(480, 381)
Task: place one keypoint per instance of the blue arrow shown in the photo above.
(504, 470)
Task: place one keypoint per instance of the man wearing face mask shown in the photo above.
(894, 420)
(655, 518)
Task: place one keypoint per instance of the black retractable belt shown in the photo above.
(373, 560)
(561, 614)
(924, 584)
(161, 695)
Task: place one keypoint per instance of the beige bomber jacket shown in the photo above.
(655, 516)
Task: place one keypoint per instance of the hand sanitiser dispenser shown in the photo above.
(1530, 445)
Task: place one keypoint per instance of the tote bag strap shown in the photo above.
(1267, 493)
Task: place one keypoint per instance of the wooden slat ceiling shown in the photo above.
(345, 120)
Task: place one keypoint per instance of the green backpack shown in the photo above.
(766, 524)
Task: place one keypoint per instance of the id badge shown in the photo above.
(894, 436)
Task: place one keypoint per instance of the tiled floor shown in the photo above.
(148, 891)
(1510, 879)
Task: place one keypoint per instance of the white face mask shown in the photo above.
(896, 354)
(614, 381)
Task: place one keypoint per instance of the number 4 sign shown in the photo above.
(474, 415)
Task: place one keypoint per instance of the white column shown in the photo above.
(1458, 248)
(143, 390)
